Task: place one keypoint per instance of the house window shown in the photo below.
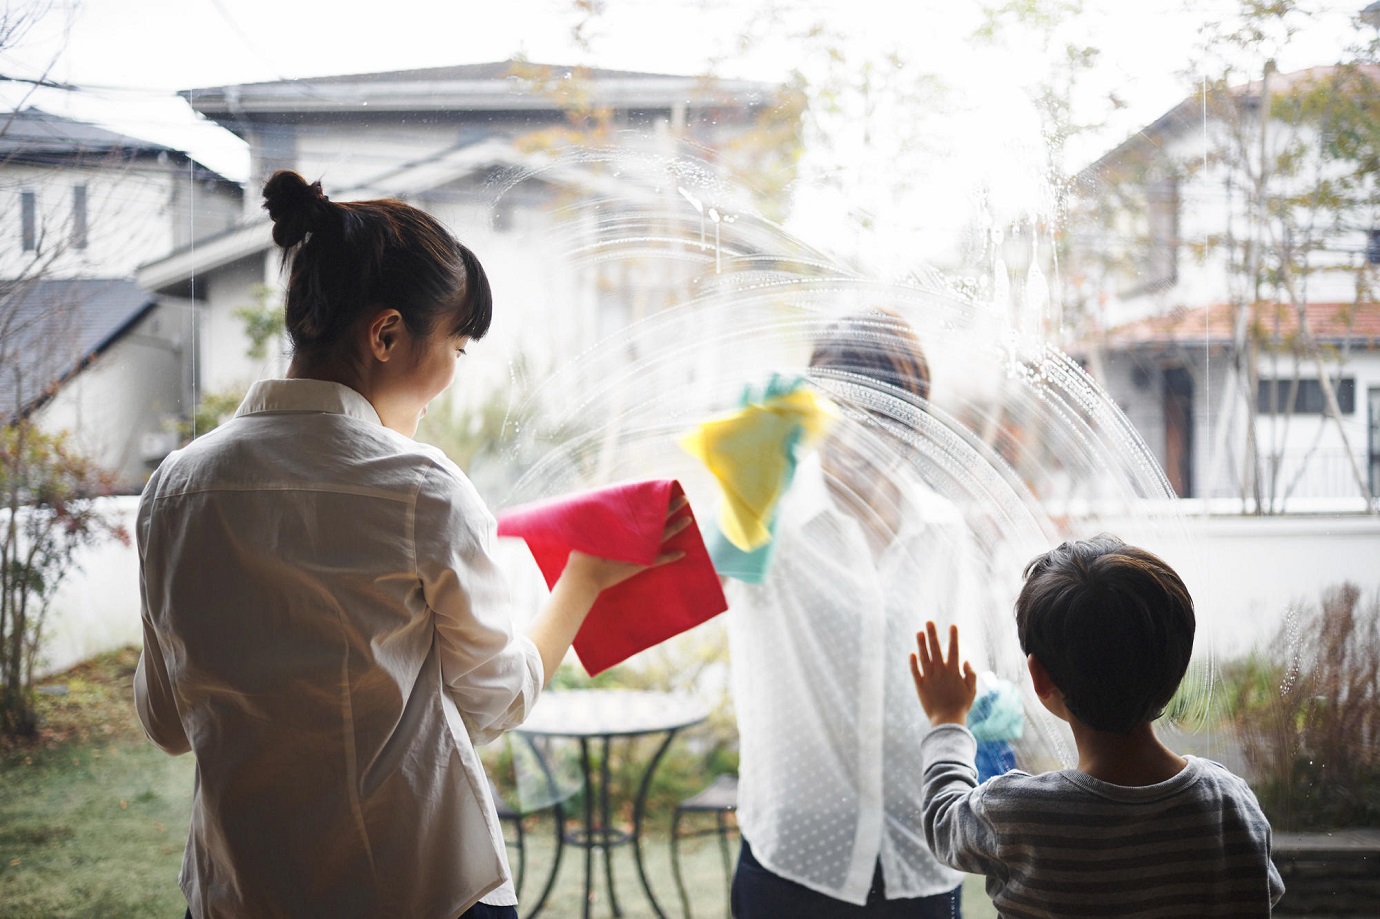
(1272, 397)
(1373, 247)
(28, 220)
(79, 216)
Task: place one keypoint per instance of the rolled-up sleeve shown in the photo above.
(493, 675)
(955, 828)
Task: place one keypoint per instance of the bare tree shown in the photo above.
(48, 490)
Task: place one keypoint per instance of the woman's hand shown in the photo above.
(599, 574)
(584, 578)
(946, 690)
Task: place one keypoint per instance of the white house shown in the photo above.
(1223, 264)
(503, 153)
(81, 201)
(84, 349)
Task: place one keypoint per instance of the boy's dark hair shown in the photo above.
(347, 258)
(1112, 624)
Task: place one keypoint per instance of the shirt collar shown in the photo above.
(307, 396)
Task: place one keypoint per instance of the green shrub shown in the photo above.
(1307, 714)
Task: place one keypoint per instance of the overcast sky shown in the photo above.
(130, 56)
(133, 53)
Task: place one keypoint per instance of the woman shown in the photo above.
(829, 797)
(324, 626)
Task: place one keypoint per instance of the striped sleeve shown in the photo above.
(1065, 844)
(951, 803)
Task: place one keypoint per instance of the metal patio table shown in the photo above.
(596, 717)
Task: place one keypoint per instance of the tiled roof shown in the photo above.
(50, 329)
(1328, 322)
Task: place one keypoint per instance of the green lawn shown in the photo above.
(93, 819)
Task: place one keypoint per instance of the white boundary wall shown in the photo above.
(1244, 573)
(97, 606)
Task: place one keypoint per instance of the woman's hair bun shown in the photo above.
(296, 208)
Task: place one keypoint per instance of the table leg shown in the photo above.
(606, 832)
(589, 826)
(558, 815)
(639, 808)
(597, 830)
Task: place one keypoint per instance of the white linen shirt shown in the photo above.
(325, 629)
(829, 723)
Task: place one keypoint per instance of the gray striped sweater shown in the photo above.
(1066, 844)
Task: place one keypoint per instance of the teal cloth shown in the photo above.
(729, 560)
(997, 714)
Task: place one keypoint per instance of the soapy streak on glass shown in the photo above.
(1018, 437)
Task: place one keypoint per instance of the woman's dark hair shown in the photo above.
(348, 258)
(880, 346)
(1112, 624)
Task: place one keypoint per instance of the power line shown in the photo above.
(46, 84)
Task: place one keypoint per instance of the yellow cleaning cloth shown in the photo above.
(752, 455)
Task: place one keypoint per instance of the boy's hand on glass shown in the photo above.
(945, 688)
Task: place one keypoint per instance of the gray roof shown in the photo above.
(32, 135)
(50, 330)
(497, 86)
(495, 70)
(33, 130)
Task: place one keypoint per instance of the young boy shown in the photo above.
(1135, 829)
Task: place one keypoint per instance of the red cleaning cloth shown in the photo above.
(623, 522)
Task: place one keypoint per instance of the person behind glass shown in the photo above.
(828, 794)
(325, 628)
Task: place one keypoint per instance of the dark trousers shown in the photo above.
(760, 894)
(477, 911)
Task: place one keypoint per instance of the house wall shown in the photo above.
(351, 152)
(544, 305)
(1317, 438)
(344, 153)
(136, 211)
(121, 410)
(1135, 382)
(1212, 203)
(225, 363)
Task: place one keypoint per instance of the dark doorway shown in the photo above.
(1178, 430)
